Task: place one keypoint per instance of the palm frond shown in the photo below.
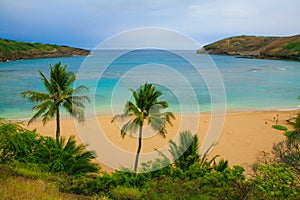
(185, 153)
(80, 89)
(80, 99)
(131, 108)
(74, 109)
(34, 96)
(146, 107)
(41, 109)
(130, 127)
(49, 114)
(46, 82)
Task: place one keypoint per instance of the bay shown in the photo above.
(250, 84)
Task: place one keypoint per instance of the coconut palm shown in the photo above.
(66, 156)
(145, 109)
(59, 93)
(186, 152)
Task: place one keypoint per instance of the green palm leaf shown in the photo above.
(59, 93)
(145, 109)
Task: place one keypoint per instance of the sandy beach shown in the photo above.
(243, 136)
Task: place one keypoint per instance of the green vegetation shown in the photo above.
(19, 144)
(279, 127)
(14, 50)
(146, 108)
(185, 154)
(59, 93)
(38, 167)
(288, 151)
(286, 48)
(26, 173)
(9, 46)
(295, 46)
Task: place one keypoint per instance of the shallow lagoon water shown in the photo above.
(250, 84)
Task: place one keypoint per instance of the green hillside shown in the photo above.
(14, 50)
(286, 48)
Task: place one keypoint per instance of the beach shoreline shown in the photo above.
(244, 135)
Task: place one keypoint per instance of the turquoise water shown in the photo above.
(250, 84)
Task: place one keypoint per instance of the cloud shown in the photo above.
(88, 22)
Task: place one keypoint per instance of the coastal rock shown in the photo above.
(286, 48)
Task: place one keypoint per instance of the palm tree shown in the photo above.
(66, 156)
(59, 93)
(186, 152)
(146, 109)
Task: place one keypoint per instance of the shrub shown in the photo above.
(279, 127)
(295, 46)
(274, 182)
(288, 152)
(288, 133)
(124, 193)
(186, 152)
(66, 156)
(90, 185)
(17, 143)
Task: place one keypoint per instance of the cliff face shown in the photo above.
(13, 50)
(287, 48)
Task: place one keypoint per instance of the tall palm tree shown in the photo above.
(59, 93)
(145, 109)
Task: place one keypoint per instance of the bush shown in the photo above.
(89, 185)
(124, 193)
(274, 181)
(66, 156)
(288, 153)
(288, 133)
(279, 127)
(213, 184)
(17, 143)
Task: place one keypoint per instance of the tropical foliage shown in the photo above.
(145, 109)
(26, 162)
(59, 93)
(19, 144)
(186, 152)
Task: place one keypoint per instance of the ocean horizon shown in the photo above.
(250, 84)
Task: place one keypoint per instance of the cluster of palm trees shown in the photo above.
(144, 109)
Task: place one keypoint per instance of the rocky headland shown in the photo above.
(285, 48)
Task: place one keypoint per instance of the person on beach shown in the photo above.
(276, 118)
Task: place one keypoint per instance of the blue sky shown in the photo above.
(86, 23)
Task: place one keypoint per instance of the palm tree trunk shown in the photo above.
(138, 150)
(57, 124)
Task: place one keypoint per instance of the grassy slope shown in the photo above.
(18, 182)
(14, 50)
(9, 46)
(260, 47)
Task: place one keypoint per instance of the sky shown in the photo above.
(86, 23)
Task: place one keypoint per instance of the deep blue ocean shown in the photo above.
(250, 84)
